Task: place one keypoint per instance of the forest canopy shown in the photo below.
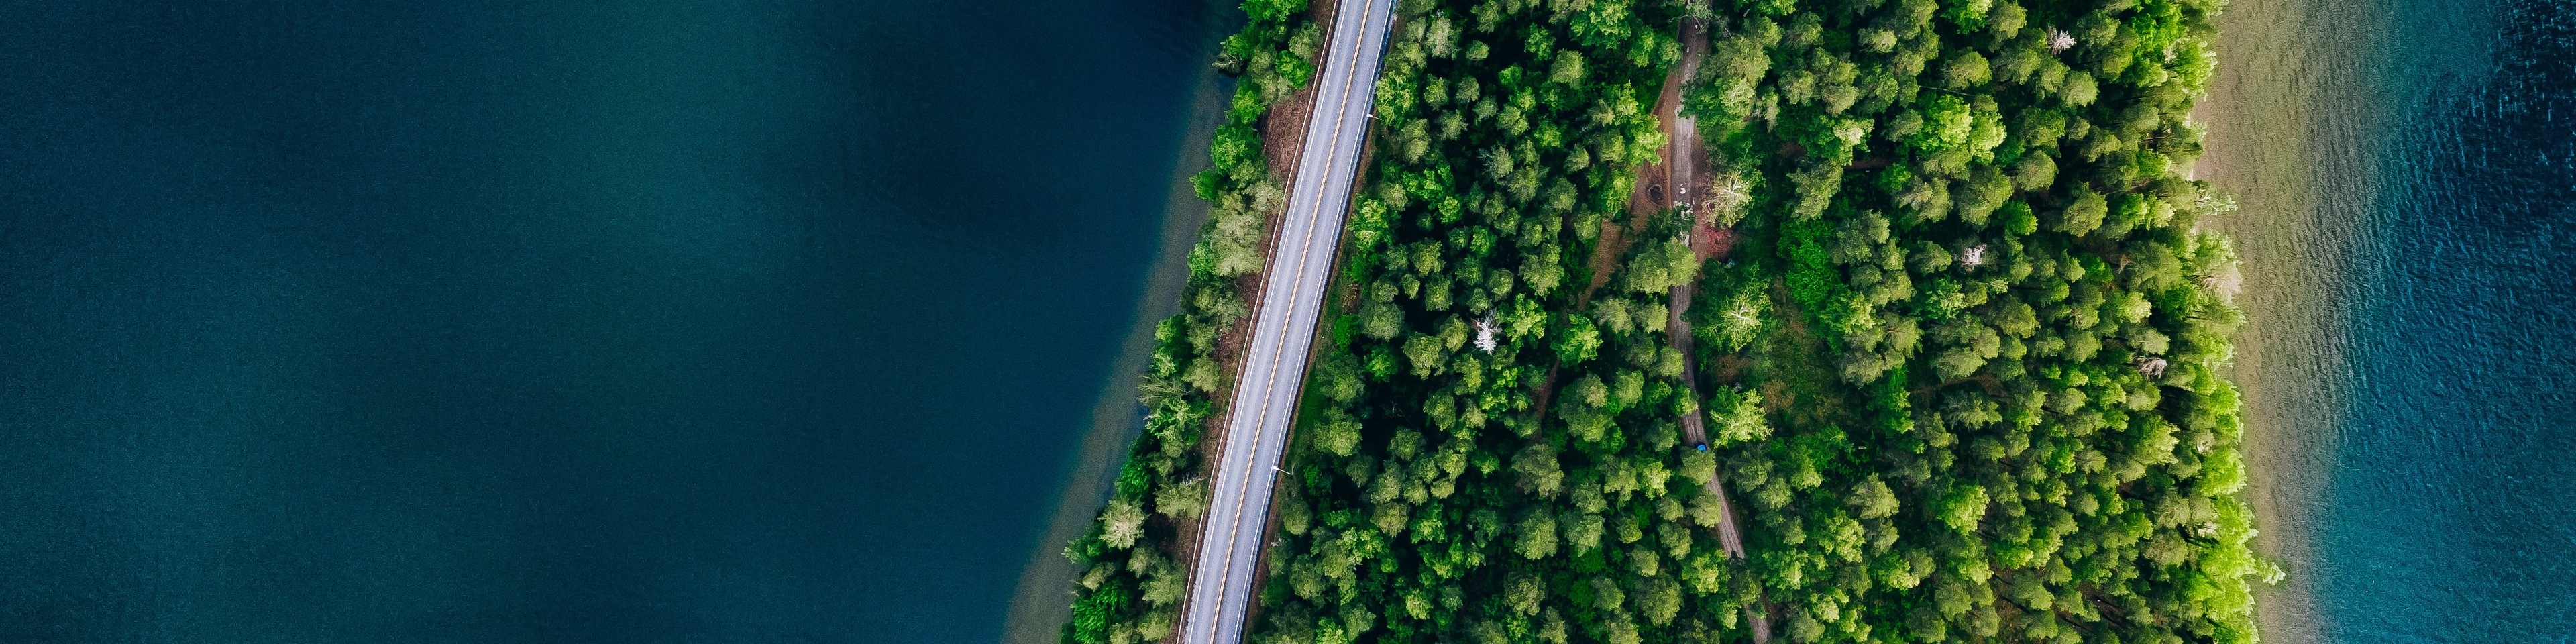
(1999, 341)
(1960, 369)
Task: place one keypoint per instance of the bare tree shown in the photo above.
(1485, 334)
(2058, 40)
(1972, 256)
(2151, 366)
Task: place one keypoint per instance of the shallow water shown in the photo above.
(646, 321)
(2409, 175)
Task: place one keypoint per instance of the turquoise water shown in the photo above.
(2452, 515)
(2409, 174)
(562, 321)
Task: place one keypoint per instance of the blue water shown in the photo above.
(2452, 513)
(562, 321)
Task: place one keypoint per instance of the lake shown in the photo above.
(2407, 169)
(558, 321)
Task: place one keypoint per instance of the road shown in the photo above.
(1684, 152)
(1283, 326)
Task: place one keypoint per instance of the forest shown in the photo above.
(1994, 370)
(1961, 367)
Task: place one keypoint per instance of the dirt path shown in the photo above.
(1683, 157)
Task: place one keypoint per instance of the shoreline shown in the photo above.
(1040, 602)
(2292, 124)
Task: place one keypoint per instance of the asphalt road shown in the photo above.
(1283, 326)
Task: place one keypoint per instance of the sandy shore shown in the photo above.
(2292, 116)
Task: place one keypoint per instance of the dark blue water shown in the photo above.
(561, 321)
(2452, 514)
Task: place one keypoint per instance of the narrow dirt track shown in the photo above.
(1681, 159)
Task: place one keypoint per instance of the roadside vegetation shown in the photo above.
(1493, 452)
(1961, 372)
(1133, 574)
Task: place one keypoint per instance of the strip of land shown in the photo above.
(1283, 328)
